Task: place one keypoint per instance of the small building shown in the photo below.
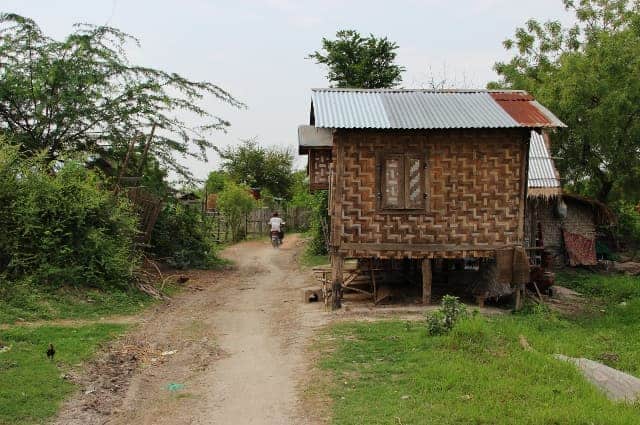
(562, 225)
(419, 176)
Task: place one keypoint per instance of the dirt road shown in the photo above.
(228, 350)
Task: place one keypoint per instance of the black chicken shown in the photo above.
(51, 352)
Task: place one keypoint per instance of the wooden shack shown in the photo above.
(562, 225)
(419, 175)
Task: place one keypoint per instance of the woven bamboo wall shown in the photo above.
(476, 188)
(319, 163)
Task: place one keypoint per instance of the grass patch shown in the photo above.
(385, 371)
(609, 287)
(29, 302)
(307, 259)
(32, 387)
(393, 372)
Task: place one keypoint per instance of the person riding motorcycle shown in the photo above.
(276, 224)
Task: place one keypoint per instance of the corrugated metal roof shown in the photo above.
(511, 95)
(555, 121)
(427, 109)
(407, 109)
(310, 137)
(522, 109)
(542, 170)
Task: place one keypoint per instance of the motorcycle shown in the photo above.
(276, 240)
(276, 237)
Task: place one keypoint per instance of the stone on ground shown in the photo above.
(617, 385)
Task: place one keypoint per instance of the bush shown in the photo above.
(235, 202)
(628, 229)
(442, 321)
(60, 227)
(319, 222)
(180, 237)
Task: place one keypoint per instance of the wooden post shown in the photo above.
(519, 298)
(373, 281)
(337, 261)
(426, 281)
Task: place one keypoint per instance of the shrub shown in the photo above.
(628, 229)
(61, 227)
(319, 223)
(235, 202)
(441, 321)
(180, 237)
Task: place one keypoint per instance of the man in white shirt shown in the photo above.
(276, 224)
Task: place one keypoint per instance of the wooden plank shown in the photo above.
(538, 292)
(362, 291)
(427, 278)
(419, 247)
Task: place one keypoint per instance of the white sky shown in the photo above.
(256, 49)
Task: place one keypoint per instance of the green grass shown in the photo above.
(307, 259)
(32, 387)
(394, 372)
(28, 302)
(610, 287)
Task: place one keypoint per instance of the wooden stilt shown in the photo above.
(337, 261)
(373, 281)
(519, 296)
(426, 281)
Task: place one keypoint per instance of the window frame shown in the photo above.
(405, 156)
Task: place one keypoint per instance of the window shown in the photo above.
(402, 181)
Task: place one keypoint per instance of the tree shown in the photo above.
(235, 202)
(81, 94)
(216, 181)
(588, 75)
(354, 61)
(259, 167)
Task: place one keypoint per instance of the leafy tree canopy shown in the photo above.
(354, 61)
(216, 181)
(259, 167)
(82, 94)
(235, 202)
(588, 75)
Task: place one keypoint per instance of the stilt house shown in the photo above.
(421, 175)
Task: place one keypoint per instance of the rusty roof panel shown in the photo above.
(511, 95)
(522, 107)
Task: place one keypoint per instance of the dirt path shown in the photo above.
(234, 343)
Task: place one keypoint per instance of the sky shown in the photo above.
(256, 49)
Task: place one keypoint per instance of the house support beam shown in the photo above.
(337, 262)
(427, 278)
